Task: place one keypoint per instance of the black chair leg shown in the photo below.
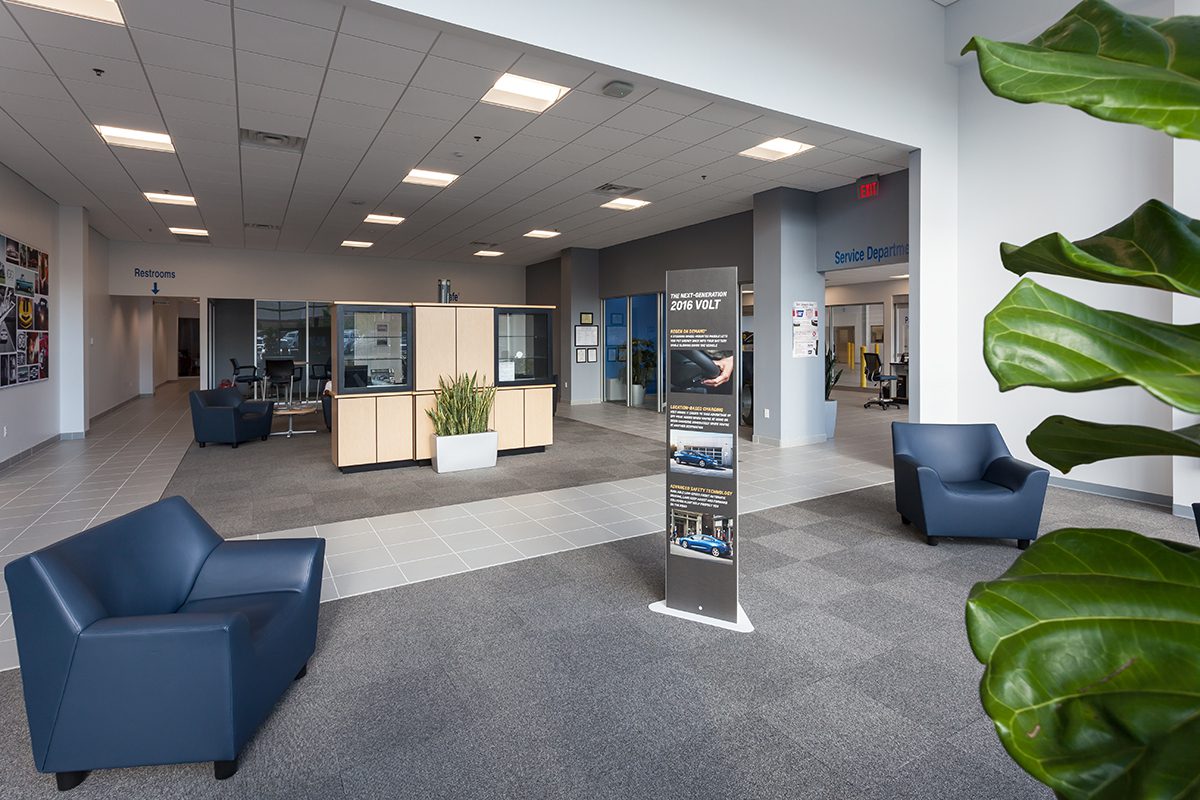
(69, 780)
(202, 444)
(1022, 544)
(235, 444)
(932, 542)
(303, 671)
(223, 770)
(905, 520)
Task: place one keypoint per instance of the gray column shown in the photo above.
(580, 292)
(68, 344)
(789, 393)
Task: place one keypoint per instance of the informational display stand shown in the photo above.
(704, 346)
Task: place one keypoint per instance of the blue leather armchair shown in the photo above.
(151, 640)
(224, 416)
(960, 480)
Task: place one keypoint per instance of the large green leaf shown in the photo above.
(1156, 246)
(1064, 443)
(1036, 337)
(1091, 643)
(1109, 64)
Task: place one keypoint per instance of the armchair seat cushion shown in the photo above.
(267, 612)
(977, 489)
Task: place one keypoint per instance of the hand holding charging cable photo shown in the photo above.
(702, 371)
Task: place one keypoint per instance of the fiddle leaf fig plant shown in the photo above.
(1091, 640)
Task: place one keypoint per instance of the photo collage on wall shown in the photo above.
(24, 313)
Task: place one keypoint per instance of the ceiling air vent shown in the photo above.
(614, 190)
(272, 141)
(484, 244)
(261, 226)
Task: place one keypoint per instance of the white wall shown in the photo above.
(1027, 170)
(113, 335)
(30, 412)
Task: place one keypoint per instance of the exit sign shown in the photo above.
(868, 187)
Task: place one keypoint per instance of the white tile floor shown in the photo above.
(128, 458)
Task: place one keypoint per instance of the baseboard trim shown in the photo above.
(1150, 498)
(117, 407)
(24, 454)
(1182, 510)
(71, 435)
(807, 440)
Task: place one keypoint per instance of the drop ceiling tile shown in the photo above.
(777, 169)
(852, 145)
(699, 155)
(496, 118)
(21, 55)
(180, 108)
(206, 131)
(585, 107)
(8, 26)
(279, 73)
(772, 127)
(735, 140)
(119, 118)
(477, 51)
(691, 130)
(726, 114)
(276, 101)
(362, 90)
(643, 119)
(205, 22)
(374, 60)
(556, 72)
(74, 33)
(558, 129)
(257, 120)
(319, 13)
(438, 105)
(890, 154)
(852, 167)
(353, 114)
(812, 159)
(452, 77)
(32, 84)
(668, 169)
(580, 154)
(818, 135)
(273, 36)
(609, 139)
(188, 55)
(670, 100)
(656, 147)
(524, 144)
(598, 80)
(330, 140)
(99, 96)
(417, 127)
(388, 30)
(192, 86)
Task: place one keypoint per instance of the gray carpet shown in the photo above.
(246, 491)
(549, 678)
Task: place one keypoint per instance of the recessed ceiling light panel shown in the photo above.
(188, 231)
(97, 10)
(536, 234)
(489, 253)
(427, 177)
(524, 94)
(776, 149)
(139, 140)
(170, 199)
(383, 219)
(352, 243)
(625, 204)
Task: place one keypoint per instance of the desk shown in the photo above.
(900, 370)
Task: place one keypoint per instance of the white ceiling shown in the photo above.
(848, 277)
(375, 96)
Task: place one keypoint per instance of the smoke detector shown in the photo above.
(617, 89)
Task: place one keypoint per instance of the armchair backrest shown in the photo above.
(214, 398)
(142, 563)
(955, 452)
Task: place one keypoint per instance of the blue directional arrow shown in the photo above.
(154, 290)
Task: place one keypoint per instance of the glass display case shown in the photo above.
(376, 348)
(523, 343)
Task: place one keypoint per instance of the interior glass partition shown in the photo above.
(848, 330)
(616, 352)
(633, 365)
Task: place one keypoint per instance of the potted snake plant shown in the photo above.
(461, 438)
(833, 374)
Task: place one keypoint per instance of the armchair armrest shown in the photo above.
(1012, 474)
(257, 407)
(926, 476)
(261, 565)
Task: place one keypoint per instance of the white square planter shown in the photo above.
(469, 451)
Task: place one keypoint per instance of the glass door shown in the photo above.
(645, 320)
(616, 350)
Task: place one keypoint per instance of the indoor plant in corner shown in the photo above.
(833, 373)
(1091, 640)
(642, 363)
(461, 439)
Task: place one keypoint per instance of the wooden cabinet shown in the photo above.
(510, 418)
(436, 350)
(394, 428)
(354, 425)
(423, 426)
(539, 417)
(476, 343)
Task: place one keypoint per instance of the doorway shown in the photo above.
(632, 351)
(189, 347)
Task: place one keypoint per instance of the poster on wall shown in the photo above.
(24, 313)
(701, 537)
(805, 329)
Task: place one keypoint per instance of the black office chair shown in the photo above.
(281, 372)
(874, 368)
(320, 374)
(240, 380)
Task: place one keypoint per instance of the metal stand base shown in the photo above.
(291, 431)
(741, 626)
